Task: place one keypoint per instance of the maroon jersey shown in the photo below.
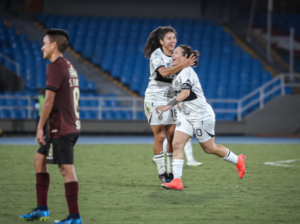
(62, 78)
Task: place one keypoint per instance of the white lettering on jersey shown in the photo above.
(72, 71)
(73, 82)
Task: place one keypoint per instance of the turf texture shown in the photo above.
(118, 184)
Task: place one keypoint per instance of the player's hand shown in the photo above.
(161, 109)
(189, 61)
(40, 137)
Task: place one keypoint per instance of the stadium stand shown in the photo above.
(116, 44)
(281, 24)
(33, 70)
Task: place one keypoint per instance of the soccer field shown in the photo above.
(118, 184)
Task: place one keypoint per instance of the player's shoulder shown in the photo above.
(187, 70)
(59, 66)
(157, 53)
(57, 63)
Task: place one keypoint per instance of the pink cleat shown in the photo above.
(175, 184)
(240, 166)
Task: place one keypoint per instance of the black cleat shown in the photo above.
(163, 177)
(170, 177)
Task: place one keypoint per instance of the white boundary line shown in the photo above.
(281, 163)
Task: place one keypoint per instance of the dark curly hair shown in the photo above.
(153, 41)
(187, 50)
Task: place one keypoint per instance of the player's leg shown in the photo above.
(169, 135)
(179, 141)
(211, 148)
(188, 150)
(42, 181)
(165, 145)
(159, 158)
(206, 136)
(183, 132)
(64, 155)
(41, 212)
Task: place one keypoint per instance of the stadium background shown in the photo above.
(118, 182)
(107, 38)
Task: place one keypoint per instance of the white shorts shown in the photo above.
(204, 130)
(167, 118)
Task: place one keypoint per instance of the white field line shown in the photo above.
(281, 163)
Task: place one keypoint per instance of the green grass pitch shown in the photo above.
(118, 184)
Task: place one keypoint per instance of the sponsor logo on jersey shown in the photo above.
(170, 93)
(178, 124)
(72, 71)
(188, 81)
(156, 62)
(176, 83)
(160, 117)
(185, 109)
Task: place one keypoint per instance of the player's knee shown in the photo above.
(160, 138)
(38, 160)
(170, 138)
(209, 150)
(175, 145)
(62, 171)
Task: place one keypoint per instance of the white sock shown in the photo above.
(160, 162)
(177, 168)
(165, 145)
(169, 162)
(188, 149)
(231, 157)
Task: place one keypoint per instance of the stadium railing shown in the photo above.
(257, 96)
(255, 99)
(17, 103)
(11, 61)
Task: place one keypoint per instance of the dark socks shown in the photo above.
(42, 186)
(72, 199)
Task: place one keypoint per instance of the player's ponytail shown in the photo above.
(153, 41)
(187, 50)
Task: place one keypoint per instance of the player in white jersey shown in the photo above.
(159, 46)
(198, 118)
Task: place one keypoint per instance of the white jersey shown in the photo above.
(194, 107)
(159, 88)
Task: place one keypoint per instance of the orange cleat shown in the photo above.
(175, 184)
(240, 166)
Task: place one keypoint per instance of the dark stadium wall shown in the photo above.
(9, 81)
(223, 10)
(128, 8)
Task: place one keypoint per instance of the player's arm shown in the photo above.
(179, 98)
(165, 72)
(47, 107)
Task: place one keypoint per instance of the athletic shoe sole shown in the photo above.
(167, 187)
(194, 164)
(40, 219)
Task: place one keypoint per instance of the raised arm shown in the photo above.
(165, 72)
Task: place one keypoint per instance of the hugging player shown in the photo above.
(197, 117)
